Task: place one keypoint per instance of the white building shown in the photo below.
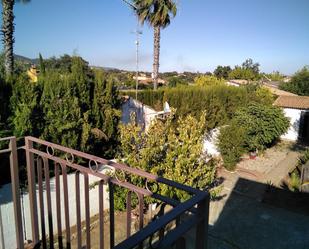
(296, 108)
(144, 113)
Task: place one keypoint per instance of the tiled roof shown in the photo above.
(279, 92)
(295, 102)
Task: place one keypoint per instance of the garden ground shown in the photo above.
(247, 217)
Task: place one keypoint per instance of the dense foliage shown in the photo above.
(247, 71)
(219, 101)
(208, 80)
(304, 158)
(263, 124)
(299, 83)
(172, 153)
(275, 76)
(231, 144)
(70, 105)
(222, 72)
(255, 127)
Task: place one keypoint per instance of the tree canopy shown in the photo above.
(247, 71)
(299, 83)
(222, 72)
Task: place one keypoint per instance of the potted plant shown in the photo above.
(253, 154)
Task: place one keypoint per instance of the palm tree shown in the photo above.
(158, 14)
(8, 34)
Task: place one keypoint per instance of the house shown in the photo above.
(33, 73)
(237, 83)
(144, 113)
(296, 108)
(144, 79)
(276, 91)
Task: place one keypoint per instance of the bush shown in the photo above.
(263, 124)
(299, 83)
(172, 153)
(208, 80)
(219, 102)
(304, 158)
(231, 141)
(69, 105)
(294, 182)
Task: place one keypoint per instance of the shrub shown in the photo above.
(175, 154)
(69, 105)
(299, 83)
(231, 141)
(304, 158)
(240, 73)
(263, 124)
(208, 80)
(294, 182)
(219, 102)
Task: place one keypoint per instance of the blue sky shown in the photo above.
(204, 34)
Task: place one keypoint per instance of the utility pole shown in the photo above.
(137, 32)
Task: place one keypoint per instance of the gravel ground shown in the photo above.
(268, 160)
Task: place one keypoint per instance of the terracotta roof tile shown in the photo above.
(295, 102)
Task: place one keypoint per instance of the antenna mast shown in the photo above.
(137, 32)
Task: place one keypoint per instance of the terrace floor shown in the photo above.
(245, 223)
(250, 216)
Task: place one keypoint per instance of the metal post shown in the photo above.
(32, 191)
(16, 194)
(202, 227)
(137, 32)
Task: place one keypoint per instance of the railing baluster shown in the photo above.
(202, 227)
(87, 210)
(181, 242)
(111, 215)
(129, 213)
(32, 191)
(78, 218)
(66, 206)
(41, 201)
(101, 213)
(58, 206)
(141, 210)
(161, 213)
(141, 215)
(16, 194)
(49, 207)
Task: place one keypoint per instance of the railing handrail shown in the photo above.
(119, 166)
(6, 138)
(86, 170)
(155, 226)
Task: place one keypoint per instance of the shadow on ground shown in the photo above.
(256, 215)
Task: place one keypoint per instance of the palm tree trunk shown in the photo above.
(8, 32)
(156, 56)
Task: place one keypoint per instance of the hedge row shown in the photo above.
(220, 102)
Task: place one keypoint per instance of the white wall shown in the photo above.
(294, 116)
(145, 114)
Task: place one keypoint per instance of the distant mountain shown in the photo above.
(25, 59)
(107, 68)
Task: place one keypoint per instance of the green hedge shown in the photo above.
(219, 102)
